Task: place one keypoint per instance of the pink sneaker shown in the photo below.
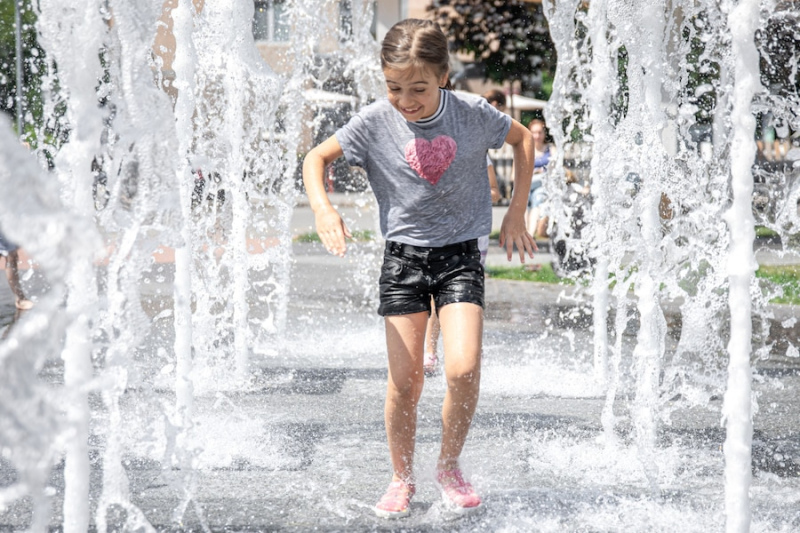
(457, 492)
(394, 504)
(430, 363)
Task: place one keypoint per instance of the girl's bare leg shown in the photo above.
(462, 332)
(541, 228)
(432, 332)
(405, 337)
(12, 273)
(532, 219)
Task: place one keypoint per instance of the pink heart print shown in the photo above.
(431, 159)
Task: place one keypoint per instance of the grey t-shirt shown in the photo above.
(430, 176)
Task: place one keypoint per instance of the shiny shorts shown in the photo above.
(411, 275)
(538, 195)
(6, 246)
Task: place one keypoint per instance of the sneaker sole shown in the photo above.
(454, 512)
(454, 508)
(390, 515)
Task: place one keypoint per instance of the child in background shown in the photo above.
(430, 362)
(11, 253)
(424, 151)
(537, 219)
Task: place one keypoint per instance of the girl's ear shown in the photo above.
(444, 81)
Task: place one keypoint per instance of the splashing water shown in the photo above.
(668, 225)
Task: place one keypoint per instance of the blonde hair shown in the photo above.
(416, 43)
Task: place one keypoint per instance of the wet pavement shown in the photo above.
(302, 447)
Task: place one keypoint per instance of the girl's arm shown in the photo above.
(495, 189)
(331, 228)
(512, 231)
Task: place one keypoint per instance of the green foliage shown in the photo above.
(779, 47)
(33, 64)
(619, 106)
(703, 69)
(511, 39)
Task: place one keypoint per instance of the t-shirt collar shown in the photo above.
(439, 111)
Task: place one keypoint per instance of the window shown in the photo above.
(270, 21)
(346, 19)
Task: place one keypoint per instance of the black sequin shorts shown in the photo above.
(411, 275)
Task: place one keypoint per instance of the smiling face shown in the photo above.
(414, 92)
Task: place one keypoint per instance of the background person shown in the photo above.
(537, 219)
(502, 158)
(430, 361)
(11, 253)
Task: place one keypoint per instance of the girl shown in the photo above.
(537, 220)
(424, 150)
(11, 251)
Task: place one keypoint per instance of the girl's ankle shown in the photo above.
(446, 465)
(408, 479)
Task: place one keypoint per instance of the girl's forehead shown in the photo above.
(409, 74)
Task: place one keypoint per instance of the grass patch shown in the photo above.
(543, 274)
(785, 276)
(312, 236)
(763, 232)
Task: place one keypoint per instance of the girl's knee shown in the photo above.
(463, 379)
(407, 390)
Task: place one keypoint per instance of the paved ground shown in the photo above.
(302, 447)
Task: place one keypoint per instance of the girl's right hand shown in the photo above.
(332, 231)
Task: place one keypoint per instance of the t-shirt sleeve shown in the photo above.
(353, 137)
(497, 124)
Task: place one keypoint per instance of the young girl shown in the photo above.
(537, 220)
(11, 251)
(424, 150)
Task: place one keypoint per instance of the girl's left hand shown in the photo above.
(514, 234)
(332, 231)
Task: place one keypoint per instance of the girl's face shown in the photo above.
(538, 134)
(414, 92)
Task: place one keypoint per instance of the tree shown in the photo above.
(32, 62)
(511, 39)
